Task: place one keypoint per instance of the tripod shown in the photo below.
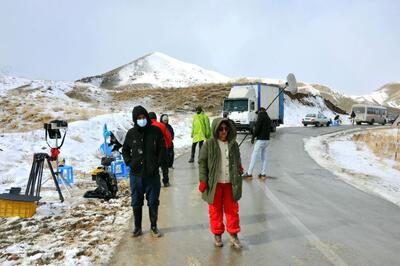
(35, 177)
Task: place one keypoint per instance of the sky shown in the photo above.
(351, 46)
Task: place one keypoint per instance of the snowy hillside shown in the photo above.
(388, 95)
(53, 88)
(157, 70)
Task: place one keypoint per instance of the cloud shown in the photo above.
(349, 45)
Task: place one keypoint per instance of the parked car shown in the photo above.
(391, 118)
(317, 120)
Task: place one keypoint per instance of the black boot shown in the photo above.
(137, 214)
(153, 213)
(165, 179)
(191, 160)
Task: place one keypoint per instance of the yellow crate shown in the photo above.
(12, 208)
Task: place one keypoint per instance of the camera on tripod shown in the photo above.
(53, 128)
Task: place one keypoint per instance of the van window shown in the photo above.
(359, 110)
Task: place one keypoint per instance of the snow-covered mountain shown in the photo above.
(157, 70)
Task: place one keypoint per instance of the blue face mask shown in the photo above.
(141, 122)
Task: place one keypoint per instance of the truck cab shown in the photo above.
(244, 101)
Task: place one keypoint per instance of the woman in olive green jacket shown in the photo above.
(221, 181)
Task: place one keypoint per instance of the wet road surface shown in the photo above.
(301, 215)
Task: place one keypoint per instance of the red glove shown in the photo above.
(202, 186)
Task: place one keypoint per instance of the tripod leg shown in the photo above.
(39, 174)
(55, 180)
(28, 191)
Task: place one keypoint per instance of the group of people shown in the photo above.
(221, 172)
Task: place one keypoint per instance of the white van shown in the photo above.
(370, 114)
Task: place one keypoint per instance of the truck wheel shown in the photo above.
(358, 123)
(372, 122)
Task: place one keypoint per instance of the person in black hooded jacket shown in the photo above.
(261, 132)
(144, 151)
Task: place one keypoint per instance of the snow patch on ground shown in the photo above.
(79, 231)
(81, 146)
(356, 164)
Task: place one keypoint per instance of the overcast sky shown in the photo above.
(352, 46)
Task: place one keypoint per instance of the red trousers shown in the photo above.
(223, 203)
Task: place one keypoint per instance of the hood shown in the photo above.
(137, 110)
(152, 116)
(162, 116)
(232, 129)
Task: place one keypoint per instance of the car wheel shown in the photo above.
(305, 125)
(317, 124)
(358, 123)
(327, 124)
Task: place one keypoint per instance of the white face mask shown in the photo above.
(141, 122)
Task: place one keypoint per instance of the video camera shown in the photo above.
(53, 128)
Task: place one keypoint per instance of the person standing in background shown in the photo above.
(171, 153)
(200, 130)
(168, 141)
(261, 132)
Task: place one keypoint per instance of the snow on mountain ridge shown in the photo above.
(159, 70)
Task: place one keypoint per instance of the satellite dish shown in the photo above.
(292, 83)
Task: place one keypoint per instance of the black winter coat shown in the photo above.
(171, 131)
(263, 126)
(144, 150)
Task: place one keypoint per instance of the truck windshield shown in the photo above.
(236, 105)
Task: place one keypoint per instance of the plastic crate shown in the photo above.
(12, 208)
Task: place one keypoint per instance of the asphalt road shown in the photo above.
(301, 215)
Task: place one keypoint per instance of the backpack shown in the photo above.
(107, 186)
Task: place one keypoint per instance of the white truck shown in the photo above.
(245, 100)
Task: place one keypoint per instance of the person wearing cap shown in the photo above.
(200, 130)
(221, 181)
(261, 133)
(165, 120)
(144, 151)
(168, 142)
